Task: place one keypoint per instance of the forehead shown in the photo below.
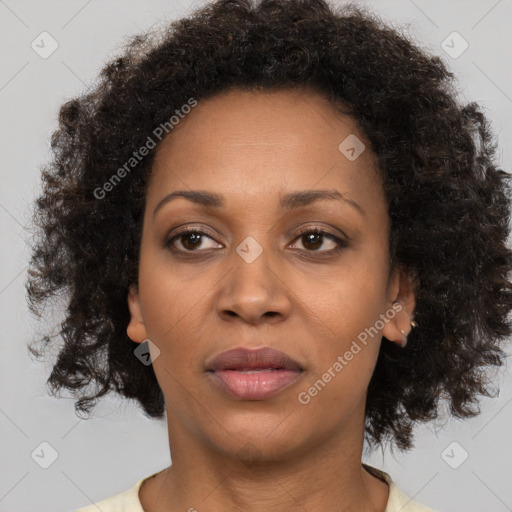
(252, 144)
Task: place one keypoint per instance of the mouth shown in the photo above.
(253, 374)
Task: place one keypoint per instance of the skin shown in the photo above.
(298, 296)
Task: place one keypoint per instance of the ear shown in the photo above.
(136, 329)
(401, 300)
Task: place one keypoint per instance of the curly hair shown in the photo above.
(449, 203)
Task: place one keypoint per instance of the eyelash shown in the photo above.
(341, 244)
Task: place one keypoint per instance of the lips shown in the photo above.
(253, 359)
(253, 374)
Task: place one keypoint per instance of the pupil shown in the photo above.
(192, 236)
(309, 240)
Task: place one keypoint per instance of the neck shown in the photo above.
(326, 475)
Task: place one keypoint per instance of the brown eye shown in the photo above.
(313, 240)
(190, 240)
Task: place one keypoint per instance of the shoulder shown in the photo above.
(397, 501)
(127, 500)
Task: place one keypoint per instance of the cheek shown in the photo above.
(354, 296)
(344, 360)
(172, 323)
(347, 313)
(171, 309)
(168, 296)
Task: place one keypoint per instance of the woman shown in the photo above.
(275, 224)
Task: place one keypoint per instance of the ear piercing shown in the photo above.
(404, 342)
(413, 324)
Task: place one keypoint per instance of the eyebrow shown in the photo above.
(289, 201)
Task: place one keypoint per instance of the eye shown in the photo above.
(190, 239)
(314, 238)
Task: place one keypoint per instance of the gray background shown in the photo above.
(118, 445)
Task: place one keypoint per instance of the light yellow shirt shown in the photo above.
(128, 501)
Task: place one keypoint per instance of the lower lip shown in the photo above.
(254, 386)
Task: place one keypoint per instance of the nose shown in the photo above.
(254, 292)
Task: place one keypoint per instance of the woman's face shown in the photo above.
(253, 275)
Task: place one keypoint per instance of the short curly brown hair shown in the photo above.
(449, 203)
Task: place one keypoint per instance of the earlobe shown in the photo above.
(136, 329)
(403, 303)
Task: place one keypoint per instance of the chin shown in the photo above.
(262, 445)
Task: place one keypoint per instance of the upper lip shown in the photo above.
(242, 358)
